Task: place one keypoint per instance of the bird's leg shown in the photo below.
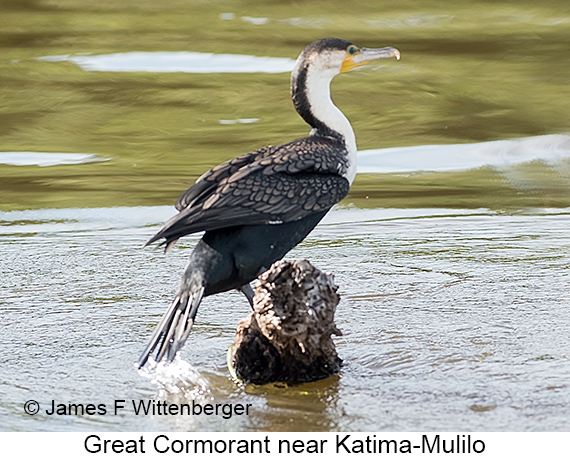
(248, 292)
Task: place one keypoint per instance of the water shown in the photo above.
(46, 159)
(451, 320)
(553, 150)
(170, 62)
(451, 251)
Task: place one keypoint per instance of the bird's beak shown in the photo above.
(366, 55)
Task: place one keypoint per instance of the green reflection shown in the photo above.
(470, 72)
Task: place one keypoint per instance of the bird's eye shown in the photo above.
(352, 49)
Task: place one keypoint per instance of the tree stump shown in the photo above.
(287, 338)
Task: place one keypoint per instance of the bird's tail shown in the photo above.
(174, 328)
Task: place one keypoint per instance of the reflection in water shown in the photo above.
(255, 20)
(169, 62)
(47, 159)
(550, 149)
(292, 408)
(238, 121)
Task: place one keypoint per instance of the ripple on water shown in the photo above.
(47, 159)
(169, 62)
(502, 154)
(451, 320)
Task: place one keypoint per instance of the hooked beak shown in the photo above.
(366, 55)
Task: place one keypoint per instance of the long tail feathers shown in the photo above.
(174, 328)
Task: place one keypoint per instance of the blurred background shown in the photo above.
(471, 71)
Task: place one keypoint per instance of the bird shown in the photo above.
(255, 208)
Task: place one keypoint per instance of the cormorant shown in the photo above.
(258, 206)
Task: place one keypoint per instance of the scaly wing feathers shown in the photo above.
(269, 186)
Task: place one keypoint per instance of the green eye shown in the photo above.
(352, 49)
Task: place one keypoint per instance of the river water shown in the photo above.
(451, 320)
(452, 251)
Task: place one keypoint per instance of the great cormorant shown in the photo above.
(258, 206)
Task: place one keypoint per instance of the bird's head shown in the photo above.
(334, 56)
(314, 70)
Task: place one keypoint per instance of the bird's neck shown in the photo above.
(312, 99)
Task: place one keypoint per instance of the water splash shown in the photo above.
(177, 381)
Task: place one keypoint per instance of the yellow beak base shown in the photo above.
(349, 64)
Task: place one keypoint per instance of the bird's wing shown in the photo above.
(208, 182)
(273, 186)
(258, 199)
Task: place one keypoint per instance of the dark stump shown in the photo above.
(288, 336)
